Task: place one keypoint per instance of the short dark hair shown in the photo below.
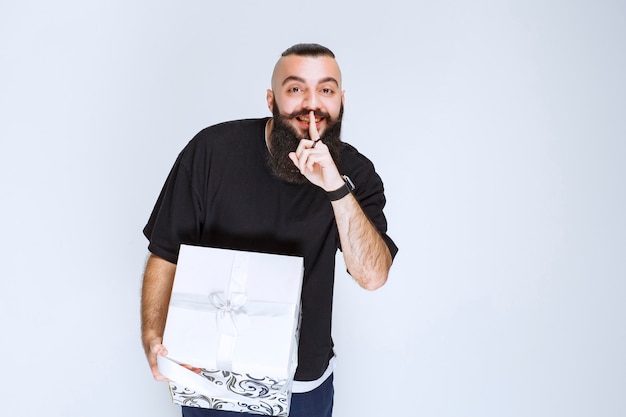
(308, 49)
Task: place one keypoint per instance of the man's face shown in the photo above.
(284, 139)
(303, 83)
(299, 85)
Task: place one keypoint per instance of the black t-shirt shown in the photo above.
(222, 193)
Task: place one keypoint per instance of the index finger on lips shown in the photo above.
(313, 133)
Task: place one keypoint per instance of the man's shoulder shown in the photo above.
(351, 158)
(225, 135)
(233, 127)
(218, 141)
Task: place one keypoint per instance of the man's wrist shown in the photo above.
(342, 191)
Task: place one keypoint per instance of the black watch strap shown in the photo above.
(343, 191)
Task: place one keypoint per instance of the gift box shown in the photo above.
(235, 315)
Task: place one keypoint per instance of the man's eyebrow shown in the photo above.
(293, 78)
(301, 80)
(328, 80)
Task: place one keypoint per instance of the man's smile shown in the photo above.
(304, 121)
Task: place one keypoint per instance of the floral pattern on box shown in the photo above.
(264, 396)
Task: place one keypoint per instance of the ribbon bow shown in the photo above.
(231, 315)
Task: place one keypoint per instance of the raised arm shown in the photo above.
(366, 255)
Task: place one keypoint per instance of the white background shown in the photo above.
(498, 128)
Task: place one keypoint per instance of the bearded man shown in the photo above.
(284, 185)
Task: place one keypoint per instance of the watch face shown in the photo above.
(349, 183)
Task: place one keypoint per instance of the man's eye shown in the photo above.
(295, 89)
(327, 90)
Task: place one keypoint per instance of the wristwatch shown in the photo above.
(343, 191)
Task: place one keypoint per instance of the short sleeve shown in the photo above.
(176, 217)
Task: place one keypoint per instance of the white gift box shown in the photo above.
(235, 315)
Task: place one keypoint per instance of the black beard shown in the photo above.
(285, 139)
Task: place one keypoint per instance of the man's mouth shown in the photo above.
(306, 119)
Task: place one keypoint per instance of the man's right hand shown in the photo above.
(155, 348)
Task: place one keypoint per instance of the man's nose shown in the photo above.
(311, 101)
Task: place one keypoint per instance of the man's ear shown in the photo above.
(270, 100)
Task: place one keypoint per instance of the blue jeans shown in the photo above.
(316, 403)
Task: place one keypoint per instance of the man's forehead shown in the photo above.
(308, 68)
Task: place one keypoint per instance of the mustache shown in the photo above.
(304, 112)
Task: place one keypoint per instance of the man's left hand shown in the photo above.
(313, 159)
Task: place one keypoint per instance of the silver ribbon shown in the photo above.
(231, 316)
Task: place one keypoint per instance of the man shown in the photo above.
(276, 185)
